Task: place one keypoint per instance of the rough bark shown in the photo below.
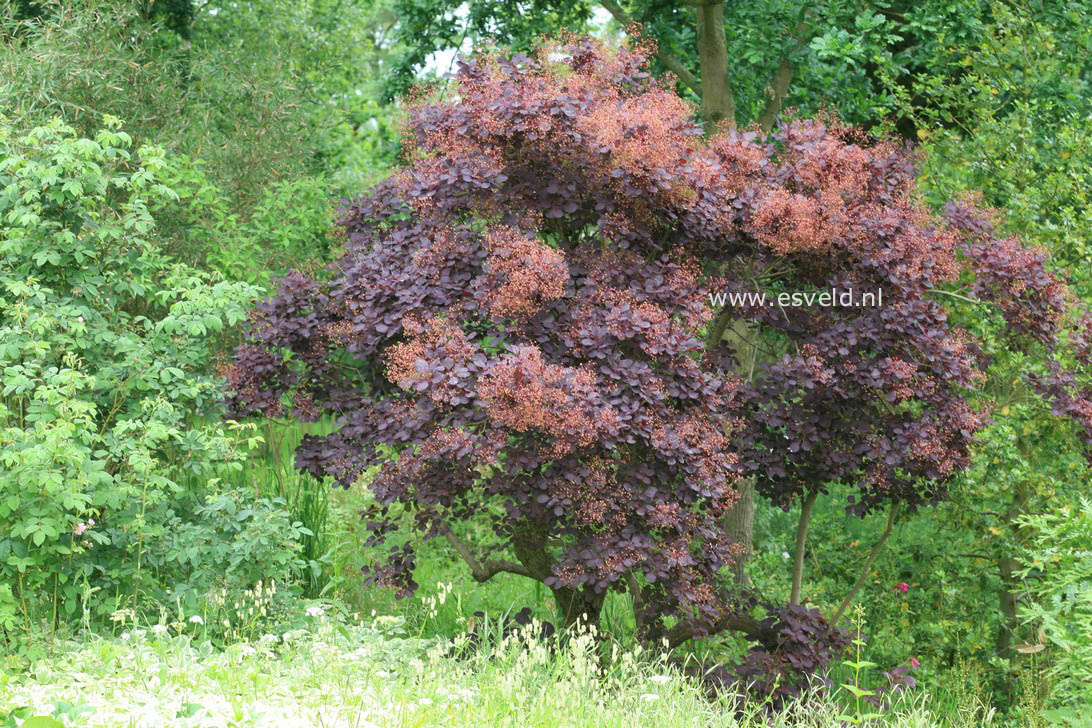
(739, 520)
(718, 102)
(744, 623)
(739, 525)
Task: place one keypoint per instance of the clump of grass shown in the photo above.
(337, 672)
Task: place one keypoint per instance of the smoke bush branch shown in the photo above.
(484, 571)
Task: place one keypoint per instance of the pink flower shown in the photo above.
(902, 586)
(914, 662)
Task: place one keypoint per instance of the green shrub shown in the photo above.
(273, 101)
(1027, 144)
(230, 543)
(104, 357)
(289, 227)
(1024, 149)
(1058, 575)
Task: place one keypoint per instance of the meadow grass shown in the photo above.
(371, 673)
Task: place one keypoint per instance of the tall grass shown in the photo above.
(371, 673)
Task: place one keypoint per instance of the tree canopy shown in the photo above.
(521, 332)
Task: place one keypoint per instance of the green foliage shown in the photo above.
(1057, 569)
(267, 505)
(104, 351)
(339, 671)
(289, 227)
(1025, 144)
(425, 27)
(275, 101)
(1022, 144)
(861, 713)
(893, 64)
(239, 541)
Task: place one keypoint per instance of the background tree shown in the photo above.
(109, 415)
(267, 110)
(877, 64)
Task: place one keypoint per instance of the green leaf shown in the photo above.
(42, 721)
(857, 692)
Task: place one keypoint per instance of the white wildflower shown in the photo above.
(159, 629)
(196, 619)
(661, 679)
(315, 612)
(650, 697)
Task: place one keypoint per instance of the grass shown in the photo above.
(370, 673)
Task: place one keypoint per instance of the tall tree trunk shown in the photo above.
(801, 545)
(739, 522)
(1007, 602)
(718, 102)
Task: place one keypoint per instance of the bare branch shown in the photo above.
(744, 623)
(960, 296)
(672, 63)
(801, 542)
(867, 567)
(484, 571)
(779, 86)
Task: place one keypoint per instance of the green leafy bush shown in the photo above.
(104, 357)
(227, 545)
(291, 226)
(252, 541)
(1057, 569)
(1027, 142)
(273, 101)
